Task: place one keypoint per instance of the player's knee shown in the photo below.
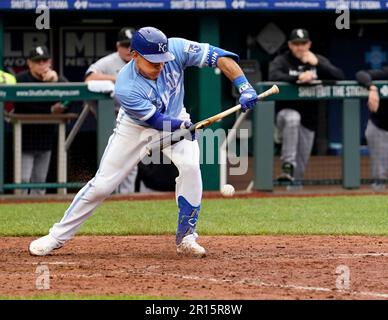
(101, 192)
(291, 117)
(190, 171)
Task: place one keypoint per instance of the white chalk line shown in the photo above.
(274, 285)
(315, 256)
(355, 255)
(229, 281)
(253, 282)
(58, 263)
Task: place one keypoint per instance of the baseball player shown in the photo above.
(107, 68)
(38, 140)
(376, 132)
(296, 122)
(150, 90)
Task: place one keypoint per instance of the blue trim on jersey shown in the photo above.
(215, 53)
(161, 122)
(204, 56)
(187, 219)
(147, 116)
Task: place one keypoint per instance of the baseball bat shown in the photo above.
(181, 134)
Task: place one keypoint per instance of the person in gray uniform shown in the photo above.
(107, 68)
(376, 132)
(38, 140)
(297, 122)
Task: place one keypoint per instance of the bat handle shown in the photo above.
(273, 90)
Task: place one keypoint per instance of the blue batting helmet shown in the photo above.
(152, 45)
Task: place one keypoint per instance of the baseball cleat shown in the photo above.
(285, 177)
(287, 174)
(43, 246)
(190, 247)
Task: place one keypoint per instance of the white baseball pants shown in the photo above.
(126, 147)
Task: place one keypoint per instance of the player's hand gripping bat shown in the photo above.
(181, 134)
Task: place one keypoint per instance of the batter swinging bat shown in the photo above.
(180, 134)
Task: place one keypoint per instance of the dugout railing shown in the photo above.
(349, 92)
(55, 92)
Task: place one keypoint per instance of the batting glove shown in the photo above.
(186, 124)
(193, 134)
(248, 95)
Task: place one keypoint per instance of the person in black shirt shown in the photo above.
(37, 140)
(296, 121)
(376, 132)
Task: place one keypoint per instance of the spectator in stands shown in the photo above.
(296, 122)
(38, 140)
(107, 68)
(376, 132)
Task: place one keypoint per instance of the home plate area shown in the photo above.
(236, 267)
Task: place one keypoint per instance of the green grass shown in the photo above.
(324, 215)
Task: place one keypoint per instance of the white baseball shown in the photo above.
(227, 190)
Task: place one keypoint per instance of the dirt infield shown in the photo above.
(248, 267)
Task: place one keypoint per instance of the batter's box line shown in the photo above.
(271, 285)
(314, 256)
(233, 282)
(356, 255)
(55, 263)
